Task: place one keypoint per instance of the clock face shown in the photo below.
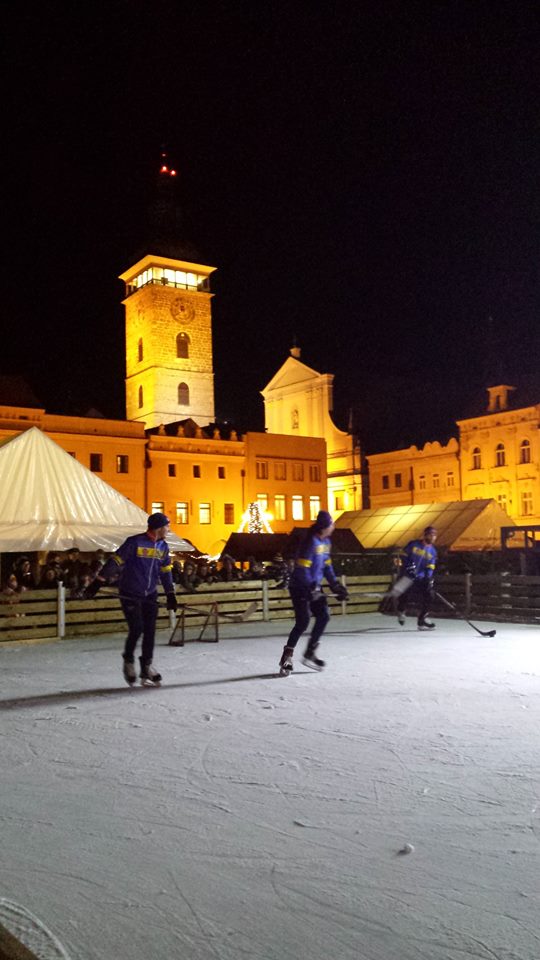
(182, 310)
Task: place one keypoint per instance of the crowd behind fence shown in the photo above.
(46, 614)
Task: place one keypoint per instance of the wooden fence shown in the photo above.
(46, 614)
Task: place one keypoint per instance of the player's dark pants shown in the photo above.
(141, 615)
(304, 610)
(420, 593)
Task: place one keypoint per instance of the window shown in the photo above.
(158, 506)
(314, 507)
(386, 482)
(436, 481)
(205, 513)
(172, 469)
(182, 512)
(297, 507)
(314, 473)
(261, 469)
(96, 462)
(196, 471)
(339, 500)
(182, 346)
(228, 513)
(279, 507)
(527, 503)
(397, 479)
(500, 457)
(221, 473)
(450, 478)
(525, 451)
(501, 500)
(140, 400)
(262, 500)
(476, 458)
(280, 470)
(122, 463)
(183, 394)
(140, 352)
(298, 471)
(421, 482)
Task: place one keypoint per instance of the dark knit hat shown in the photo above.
(156, 520)
(430, 530)
(323, 520)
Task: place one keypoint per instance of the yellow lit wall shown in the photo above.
(298, 402)
(428, 475)
(158, 316)
(279, 466)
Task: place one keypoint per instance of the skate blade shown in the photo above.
(311, 665)
(150, 683)
(285, 673)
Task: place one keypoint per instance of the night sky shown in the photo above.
(365, 178)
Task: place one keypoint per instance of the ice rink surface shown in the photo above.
(235, 815)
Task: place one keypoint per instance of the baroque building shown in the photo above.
(496, 456)
(298, 402)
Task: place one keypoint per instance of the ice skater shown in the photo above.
(312, 565)
(418, 561)
(139, 564)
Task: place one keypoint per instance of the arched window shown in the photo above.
(140, 397)
(476, 458)
(525, 451)
(140, 351)
(183, 394)
(182, 346)
(500, 457)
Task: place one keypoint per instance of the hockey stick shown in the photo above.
(240, 617)
(447, 603)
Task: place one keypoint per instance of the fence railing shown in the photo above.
(47, 614)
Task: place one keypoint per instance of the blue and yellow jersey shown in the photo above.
(419, 559)
(313, 562)
(140, 563)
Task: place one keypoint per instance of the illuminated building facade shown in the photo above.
(496, 457)
(169, 366)
(298, 402)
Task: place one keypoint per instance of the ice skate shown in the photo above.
(310, 659)
(130, 674)
(286, 662)
(425, 625)
(149, 675)
(401, 618)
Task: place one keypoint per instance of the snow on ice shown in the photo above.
(234, 814)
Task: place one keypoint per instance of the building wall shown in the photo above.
(428, 475)
(500, 458)
(280, 466)
(155, 315)
(298, 402)
(497, 457)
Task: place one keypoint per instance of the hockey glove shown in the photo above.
(340, 591)
(90, 591)
(430, 586)
(171, 602)
(409, 570)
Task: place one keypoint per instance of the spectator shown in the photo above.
(277, 570)
(189, 580)
(255, 570)
(229, 571)
(49, 578)
(98, 562)
(71, 567)
(24, 575)
(204, 573)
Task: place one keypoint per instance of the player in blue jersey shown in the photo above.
(313, 564)
(139, 564)
(418, 561)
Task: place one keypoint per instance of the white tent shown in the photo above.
(49, 501)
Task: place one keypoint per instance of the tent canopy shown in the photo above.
(461, 525)
(50, 501)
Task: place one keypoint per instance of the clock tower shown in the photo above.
(169, 368)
